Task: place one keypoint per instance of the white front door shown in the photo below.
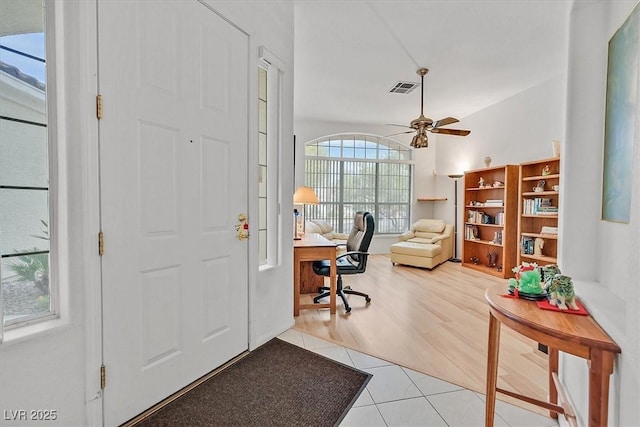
(173, 144)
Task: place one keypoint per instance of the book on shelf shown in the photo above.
(538, 206)
(494, 202)
(475, 217)
(471, 232)
(526, 245)
(549, 230)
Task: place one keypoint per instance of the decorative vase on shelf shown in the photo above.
(487, 161)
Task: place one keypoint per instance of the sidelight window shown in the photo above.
(26, 289)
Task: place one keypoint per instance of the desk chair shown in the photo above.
(354, 261)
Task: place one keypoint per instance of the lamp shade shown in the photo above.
(305, 196)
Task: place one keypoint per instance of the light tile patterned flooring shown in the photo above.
(398, 396)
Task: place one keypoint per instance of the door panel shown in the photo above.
(173, 144)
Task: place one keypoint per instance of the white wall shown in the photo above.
(603, 256)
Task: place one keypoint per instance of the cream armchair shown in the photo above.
(427, 244)
(326, 230)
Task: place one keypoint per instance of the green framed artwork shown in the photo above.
(623, 84)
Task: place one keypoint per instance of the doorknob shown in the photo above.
(242, 229)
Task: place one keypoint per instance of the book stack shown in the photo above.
(471, 232)
(526, 245)
(497, 237)
(538, 206)
(494, 202)
(499, 218)
(475, 217)
(549, 230)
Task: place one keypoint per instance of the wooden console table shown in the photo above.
(313, 247)
(574, 334)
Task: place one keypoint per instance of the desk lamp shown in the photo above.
(304, 196)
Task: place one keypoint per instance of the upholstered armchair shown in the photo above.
(428, 243)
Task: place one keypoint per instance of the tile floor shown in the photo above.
(398, 396)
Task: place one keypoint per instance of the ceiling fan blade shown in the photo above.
(458, 132)
(393, 124)
(445, 121)
(400, 133)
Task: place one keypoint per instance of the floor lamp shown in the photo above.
(455, 178)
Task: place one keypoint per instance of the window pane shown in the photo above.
(23, 154)
(262, 184)
(262, 84)
(262, 208)
(262, 246)
(25, 287)
(262, 116)
(262, 148)
(23, 216)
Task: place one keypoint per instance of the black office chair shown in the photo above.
(354, 261)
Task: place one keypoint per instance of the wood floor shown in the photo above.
(435, 322)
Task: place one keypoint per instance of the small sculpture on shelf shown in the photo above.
(493, 258)
(546, 170)
(538, 244)
(474, 260)
(481, 183)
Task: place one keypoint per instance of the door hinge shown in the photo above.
(100, 243)
(103, 377)
(99, 106)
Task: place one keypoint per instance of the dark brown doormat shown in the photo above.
(277, 384)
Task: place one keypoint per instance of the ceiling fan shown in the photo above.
(423, 124)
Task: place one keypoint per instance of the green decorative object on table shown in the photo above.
(528, 279)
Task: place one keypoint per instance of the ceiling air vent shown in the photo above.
(404, 87)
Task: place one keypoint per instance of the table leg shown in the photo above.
(332, 285)
(553, 367)
(600, 367)
(492, 369)
(296, 286)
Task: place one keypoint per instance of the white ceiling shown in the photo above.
(348, 54)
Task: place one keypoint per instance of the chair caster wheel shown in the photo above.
(368, 300)
(348, 309)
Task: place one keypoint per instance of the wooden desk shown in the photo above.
(313, 247)
(574, 334)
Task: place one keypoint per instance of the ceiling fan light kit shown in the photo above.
(423, 124)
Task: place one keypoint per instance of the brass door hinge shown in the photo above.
(99, 106)
(100, 243)
(103, 377)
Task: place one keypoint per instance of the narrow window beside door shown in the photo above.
(24, 170)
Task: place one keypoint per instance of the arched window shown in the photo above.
(354, 172)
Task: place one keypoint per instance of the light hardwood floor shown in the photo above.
(435, 322)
